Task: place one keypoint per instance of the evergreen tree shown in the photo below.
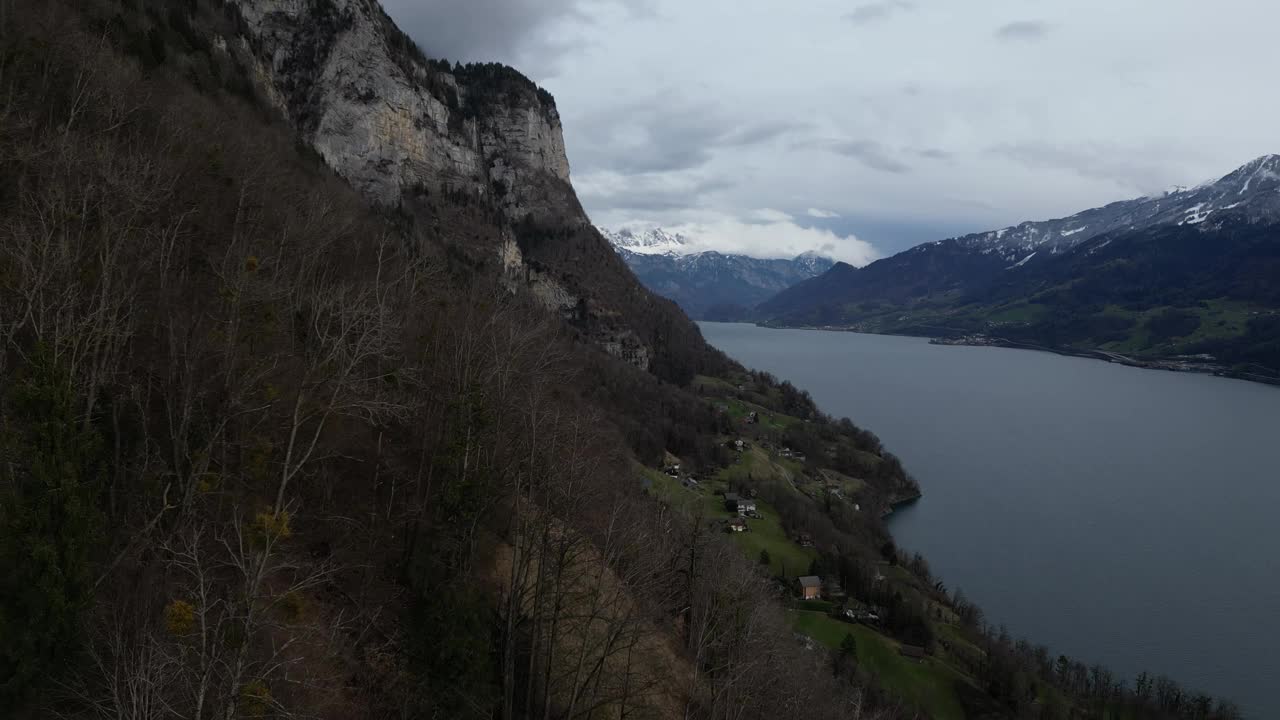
(846, 660)
(49, 463)
(849, 646)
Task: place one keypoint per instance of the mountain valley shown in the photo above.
(709, 285)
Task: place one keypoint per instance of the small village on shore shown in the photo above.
(774, 499)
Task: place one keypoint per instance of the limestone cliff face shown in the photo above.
(388, 120)
(393, 123)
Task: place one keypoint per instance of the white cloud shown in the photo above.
(778, 238)
(821, 214)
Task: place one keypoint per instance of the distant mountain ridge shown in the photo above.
(709, 285)
(1095, 279)
(1251, 190)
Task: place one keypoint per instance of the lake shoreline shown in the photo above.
(1175, 364)
(1068, 498)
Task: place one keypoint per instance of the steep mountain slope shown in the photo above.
(709, 285)
(1090, 280)
(400, 127)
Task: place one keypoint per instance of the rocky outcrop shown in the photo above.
(549, 293)
(608, 330)
(389, 120)
(627, 347)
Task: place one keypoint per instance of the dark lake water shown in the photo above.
(1123, 516)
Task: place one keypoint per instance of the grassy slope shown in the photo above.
(954, 635)
(930, 685)
(766, 533)
(704, 383)
(1222, 319)
(786, 559)
(739, 409)
(759, 465)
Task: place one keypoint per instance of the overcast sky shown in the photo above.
(862, 128)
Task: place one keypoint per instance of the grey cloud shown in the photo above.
(872, 154)
(516, 32)
(664, 133)
(1142, 170)
(877, 11)
(758, 134)
(668, 148)
(934, 154)
(655, 134)
(670, 159)
(648, 194)
(868, 153)
(894, 233)
(1023, 30)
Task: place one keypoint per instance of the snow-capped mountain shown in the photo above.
(654, 241)
(1218, 240)
(708, 284)
(1252, 190)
